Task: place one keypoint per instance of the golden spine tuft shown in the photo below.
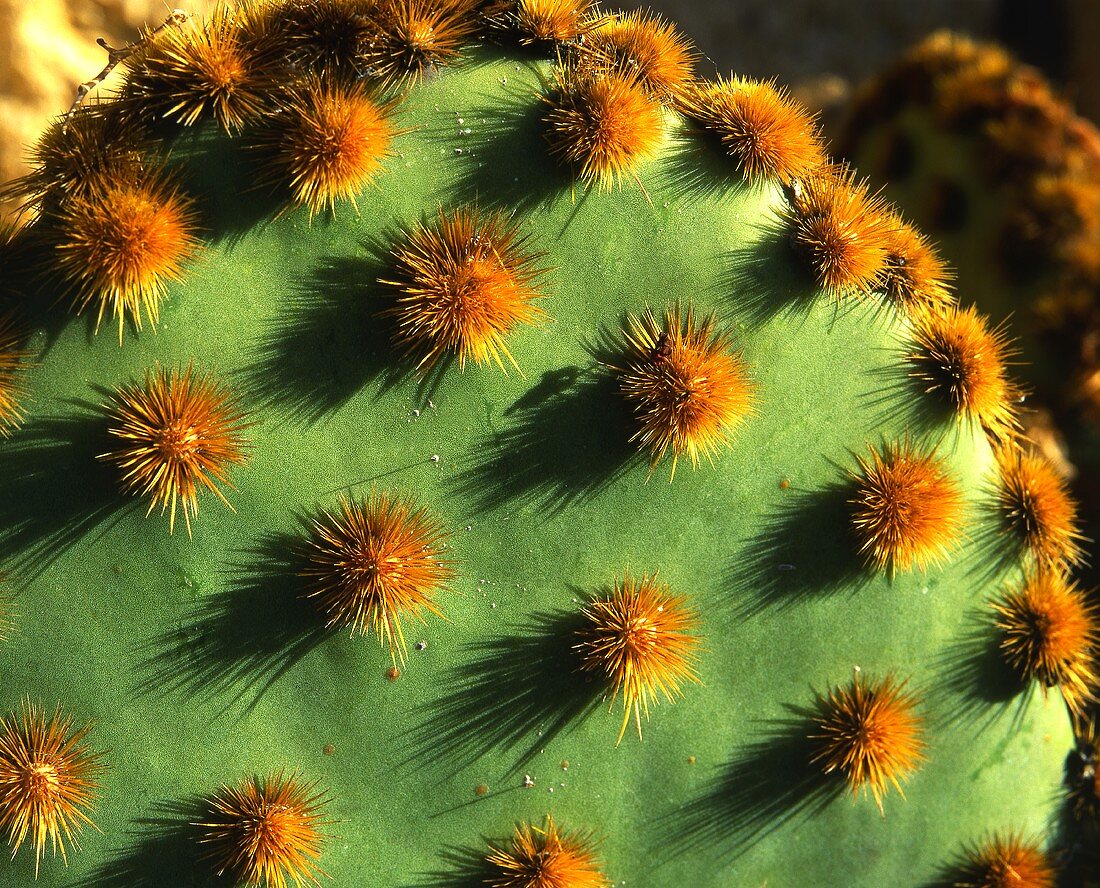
(840, 231)
(643, 46)
(915, 280)
(870, 733)
(48, 780)
(462, 285)
(687, 387)
(1005, 861)
(373, 563)
(266, 831)
(327, 142)
(121, 245)
(964, 363)
(906, 510)
(13, 363)
(541, 21)
(639, 637)
(208, 67)
(1050, 634)
(1037, 509)
(603, 125)
(415, 36)
(77, 159)
(179, 433)
(770, 135)
(545, 857)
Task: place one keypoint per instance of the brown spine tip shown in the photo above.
(178, 434)
(1050, 634)
(915, 280)
(328, 38)
(373, 563)
(603, 125)
(414, 36)
(639, 638)
(641, 45)
(1005, 861)
(687, 387)
(906, 508)
(13, 364)
(771, 136)
(963, 362)
(1037, 510)
(327, 142)
(122, 244)
(208, 67)
(839, 231)
(545, 857)
(869, 732)
(77, 158)
(266, 831)
(47, 780)
(1085, 774)
(462, 285)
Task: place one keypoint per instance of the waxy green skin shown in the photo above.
(199, 665)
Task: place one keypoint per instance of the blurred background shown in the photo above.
(820, 47)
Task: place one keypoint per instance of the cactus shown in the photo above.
(503, 375)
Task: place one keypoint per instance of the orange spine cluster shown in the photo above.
(461, 286)
(545, 857)
(639, 638)
(372, 564)
(48, 780)
(686, 385)
(906, 509)
(869, 732)
(1050, 633)
(180, 433)
(266, 831)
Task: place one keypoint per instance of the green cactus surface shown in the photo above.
(199, 662)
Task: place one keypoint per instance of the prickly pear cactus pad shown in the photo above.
(450, 445)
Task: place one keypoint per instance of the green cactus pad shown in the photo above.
(200, 664)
